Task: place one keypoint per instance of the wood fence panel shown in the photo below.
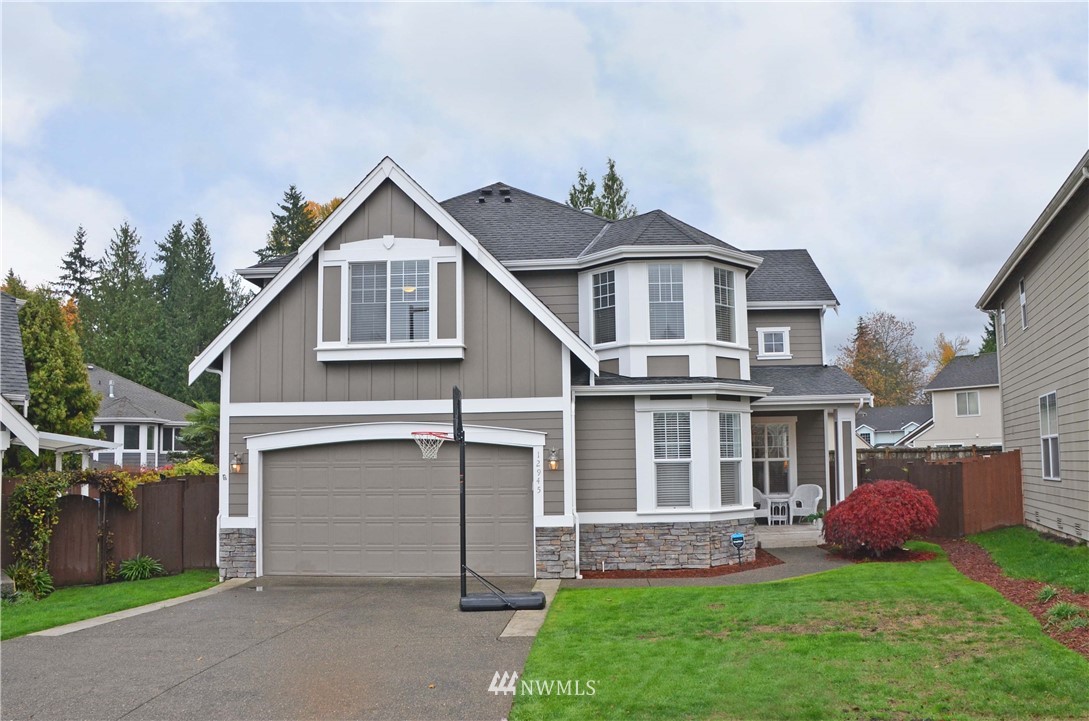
(201, 507)
(163, 523)
(73, 552)
(123, 529)
(992, 492)
(945, 485)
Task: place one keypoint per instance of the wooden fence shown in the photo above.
(973, 494)
(174, 523)
(925, 453)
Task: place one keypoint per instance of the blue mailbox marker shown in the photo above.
(738, 542)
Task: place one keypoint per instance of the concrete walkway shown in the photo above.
(796, 562)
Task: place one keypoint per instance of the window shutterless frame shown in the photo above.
(967, 403)
(729, 455)
(1024, 303)
(725, 310)
(1049, 436)
(666, 295)
(604, 296)
(673, 459)
(389, 302)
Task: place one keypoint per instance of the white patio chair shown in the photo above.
(805, 500)
(762, 506)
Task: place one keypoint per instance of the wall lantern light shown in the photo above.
(553, 460)
(236, 463)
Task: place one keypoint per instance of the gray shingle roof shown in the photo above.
(278, 262)
(787, 275)
(807, 380)
(967, 371)
(654, 228)
(893, 418)
(132, 400)
(13, 381)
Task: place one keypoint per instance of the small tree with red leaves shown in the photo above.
(880, 516)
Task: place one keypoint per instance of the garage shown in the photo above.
(376, 508)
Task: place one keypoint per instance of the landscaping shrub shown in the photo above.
(880, 516)
(195, 466)
(139, 568)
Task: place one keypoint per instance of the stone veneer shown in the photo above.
(237, 553)
(655, 546)
(555, 552)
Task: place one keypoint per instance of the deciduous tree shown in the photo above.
(321, 211)
(883, 357)
(945, 350)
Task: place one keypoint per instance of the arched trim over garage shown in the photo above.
(350, 433)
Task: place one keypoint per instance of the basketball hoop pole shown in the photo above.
(459, 436)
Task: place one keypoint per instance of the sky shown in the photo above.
(908, 147)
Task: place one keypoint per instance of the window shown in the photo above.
(107, 432)
(132, 438)
(866, 436)
(968, 403)
(1049, 436)
(1002, 321)
(673, 459)
(604, 285)
(400, 303)
(1024, 303)
(729, 454)
(773, 342)
(150, 438)
(666, 301)
(724, 305)
(771, 457)
(172, 440)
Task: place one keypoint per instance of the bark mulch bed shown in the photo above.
(763, 560)
(897, 555)
(975, 563)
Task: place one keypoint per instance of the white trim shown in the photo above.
(417, 407)
(792, 304)
(1022, 296)
(780, 401)
(224, 447)
(792, 447)
(388, 169)
(725, 388)
(784, 354)
(698, 515)
(735, 257)
(959, 388)
(1057, 477)
(18, 425)
(567, 452)
(967, 404)
(390, 351)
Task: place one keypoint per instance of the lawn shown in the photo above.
(867, 641)
(77, 603)
(1024, 553)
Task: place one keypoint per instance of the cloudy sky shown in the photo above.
(908, 147)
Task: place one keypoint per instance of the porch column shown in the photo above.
(58, 461)
(846, 451)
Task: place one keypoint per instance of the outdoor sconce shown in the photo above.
(236, 463)
(553, 460)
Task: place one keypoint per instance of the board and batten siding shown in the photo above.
(508, 353)
(559, 290)
(1052, 354)
(388, 211)
(805, 335)
(605, 454)
(550, 422)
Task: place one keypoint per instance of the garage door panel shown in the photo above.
(376, 508)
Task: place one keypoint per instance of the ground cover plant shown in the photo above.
(1024, 553)
(867, 641)
(77, 603)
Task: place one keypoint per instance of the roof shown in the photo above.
(131, 400)
(893, 418)
(13, 381)
(1066, 191)
(807, 380)
(967, 371)
(788, 276)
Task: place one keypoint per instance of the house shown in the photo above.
(891, 425)
(626, 385)
(144, 423)
(966, 405)
(1040, 297)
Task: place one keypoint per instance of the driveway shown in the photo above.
(276, 649)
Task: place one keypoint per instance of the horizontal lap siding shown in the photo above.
(559, 291)
(605, 454)
(805, 335)
(1052, 354)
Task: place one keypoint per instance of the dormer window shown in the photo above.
(666, 301)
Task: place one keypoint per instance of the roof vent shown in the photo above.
(588, 210)
(485, 191)
(111, 388)
(504, 191)
(506, 199)
(480, 199)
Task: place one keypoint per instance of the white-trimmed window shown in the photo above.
(131, 437)
(673, 459)
(393, 308)
(1049, 436)
(666, 290)
(866, 436)
(604, 294)
(729, 458)
(773, 343)
(725, 310)
(172, 440)
(1002, 321)
(771, 456)
(1024, 303)
(967, 403)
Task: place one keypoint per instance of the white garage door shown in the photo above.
(376, 508)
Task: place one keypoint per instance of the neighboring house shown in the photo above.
(626, 385)
(891, 425)
(145, 423)
(1040, 297)
(966, 405)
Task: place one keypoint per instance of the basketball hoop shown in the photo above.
(429, 442)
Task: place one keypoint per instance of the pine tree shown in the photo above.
(611, 202)
(78, 269)
(989, 342)
(14, 285)
(290, 228)
(582, 192)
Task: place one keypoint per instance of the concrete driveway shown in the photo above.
(295, 649)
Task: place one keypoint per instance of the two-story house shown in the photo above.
(892, 425)
(1041, 298)
(627, 384)
(965, 404)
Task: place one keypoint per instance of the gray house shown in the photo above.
(1041, 298)
(626, 385)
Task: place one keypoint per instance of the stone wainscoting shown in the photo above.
(237, 553)
(657, 546)
(555, 552)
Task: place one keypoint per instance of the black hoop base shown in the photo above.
(519, 601)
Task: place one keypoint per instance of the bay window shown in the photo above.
(729, 452)
(724, 306)
(604, 294)
(673, 459)
(666, 288)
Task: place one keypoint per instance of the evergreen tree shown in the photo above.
(990, 337)
(611, 202)
(582, 192)
(120, 315)
(78, 269)
(14, 285)
(238, 295)
(290, 228)
(201, 436)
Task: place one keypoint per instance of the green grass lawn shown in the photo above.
(77, 603)
(1024, 553)
(868, 641)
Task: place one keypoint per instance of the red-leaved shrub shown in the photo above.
(880, 516)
